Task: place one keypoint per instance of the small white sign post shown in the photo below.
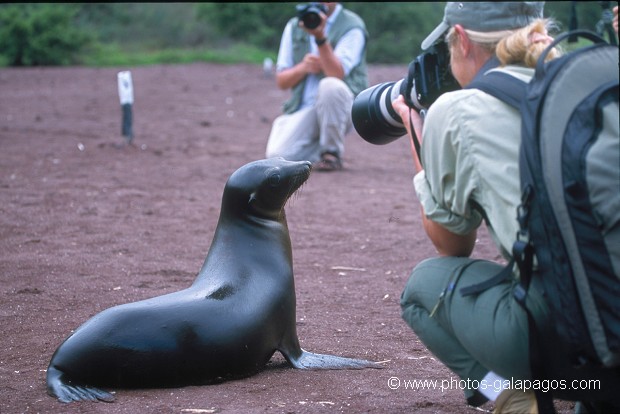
(125, 93)
(268, 67)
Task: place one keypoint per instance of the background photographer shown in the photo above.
(469, 171)
(325, 67)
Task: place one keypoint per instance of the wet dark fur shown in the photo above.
(227, 324)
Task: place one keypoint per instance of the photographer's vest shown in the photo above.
(356, 80)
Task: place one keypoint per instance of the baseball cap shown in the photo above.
(486, 16)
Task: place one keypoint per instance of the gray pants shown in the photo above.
(476, 334)
(471, 335)
(310, 132)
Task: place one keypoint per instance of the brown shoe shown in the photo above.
(516, 402)
(329, 162)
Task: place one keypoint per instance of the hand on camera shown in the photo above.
(312, 64)
(410, 117)
(406, 113)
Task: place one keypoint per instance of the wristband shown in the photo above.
(320, 42)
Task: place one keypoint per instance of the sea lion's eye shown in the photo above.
(274, 180)
(273, 176)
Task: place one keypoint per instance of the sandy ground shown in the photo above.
(85, 226)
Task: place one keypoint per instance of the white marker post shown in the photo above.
(268, 67)
(125, 93)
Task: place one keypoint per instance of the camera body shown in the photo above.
(310, 15)
(428, 77)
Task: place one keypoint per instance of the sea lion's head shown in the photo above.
(263, 187)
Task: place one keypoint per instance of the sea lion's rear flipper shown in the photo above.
(67, 392)
(309, 360)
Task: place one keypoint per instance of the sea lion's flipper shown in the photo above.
(310, 360)
(67, 392)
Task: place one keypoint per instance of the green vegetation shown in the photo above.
(124, 34)
(113, 55)
(41, 34)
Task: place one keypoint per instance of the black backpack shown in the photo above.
(570, 213)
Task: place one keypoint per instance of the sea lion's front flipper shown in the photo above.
(67, 392)
(310, 360)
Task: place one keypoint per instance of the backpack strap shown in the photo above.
(501, 85)
(510, 90)
(523, 255)
(504, 274)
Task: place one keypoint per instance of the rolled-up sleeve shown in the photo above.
(285, 53)
(446, 187)
(350, 48)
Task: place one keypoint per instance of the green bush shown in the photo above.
(259, 24)
(40, 34)
(111, 33)
(395, 29)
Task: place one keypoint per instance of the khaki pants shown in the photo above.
(310, 132)
(471, 335)
(489, 331)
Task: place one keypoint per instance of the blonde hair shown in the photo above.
(519, 46)
(526, 45)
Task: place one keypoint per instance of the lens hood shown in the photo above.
(369, 117)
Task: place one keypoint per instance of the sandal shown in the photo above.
(329, 162)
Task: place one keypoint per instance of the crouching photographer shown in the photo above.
(467, 171)
(322, 61)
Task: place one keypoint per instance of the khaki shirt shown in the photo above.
(470, 152)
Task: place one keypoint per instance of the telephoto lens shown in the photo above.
(374, 118)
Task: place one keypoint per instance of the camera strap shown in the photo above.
(416, 141)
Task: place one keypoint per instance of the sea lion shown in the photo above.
(227, 324)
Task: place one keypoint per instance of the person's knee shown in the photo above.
(282, 153)
(272, 153)
(273, 150)
(330, 88)
(410, 297)
(428, 279)
(417, 280)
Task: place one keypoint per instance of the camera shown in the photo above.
(428, 77)
(310, 15)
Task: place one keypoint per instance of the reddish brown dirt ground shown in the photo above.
(85, 226)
